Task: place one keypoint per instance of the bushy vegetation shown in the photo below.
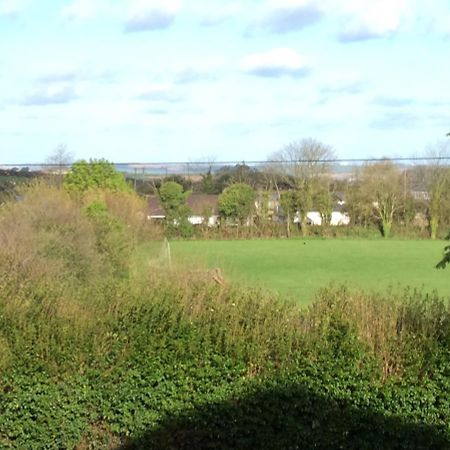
(94, 174)
(97, 355)
(173, 201)
(237, 203)
(11, 179)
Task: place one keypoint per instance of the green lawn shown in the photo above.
(300, 267)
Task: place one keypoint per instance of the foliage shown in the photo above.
(323, 201)
(173, 200)
(51, 232)
(172, 197)
(237, 202)
(11, 180)
(445, 258)
(95, 174)
(289, 207)
(112, 241)
(193, 364)
(185, 182)
(207, 184)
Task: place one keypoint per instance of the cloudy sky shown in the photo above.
(178, 80)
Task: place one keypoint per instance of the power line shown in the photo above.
(242, 162)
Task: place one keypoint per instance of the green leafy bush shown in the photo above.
(173, 200)
(94, 174)
(113, 242)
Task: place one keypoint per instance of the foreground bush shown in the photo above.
(106, 359)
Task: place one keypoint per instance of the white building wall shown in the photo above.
(337, 218)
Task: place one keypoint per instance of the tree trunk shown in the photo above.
(434, 224)
(304, 226)
(386, 224)
(288, 225)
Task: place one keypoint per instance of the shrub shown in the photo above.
(113, 242)
(94, 174)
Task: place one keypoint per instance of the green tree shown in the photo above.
(237, 202)
(94, 174)
(357, 205)
(173, 200)
(289, 207)
(207, 184)
(323, 201)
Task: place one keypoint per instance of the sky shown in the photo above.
(187, 80)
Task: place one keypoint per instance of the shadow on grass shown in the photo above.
(288, 418)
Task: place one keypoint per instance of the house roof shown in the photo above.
(154, 206)
(198, 203)
(201, 202)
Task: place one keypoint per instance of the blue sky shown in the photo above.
(174, 80)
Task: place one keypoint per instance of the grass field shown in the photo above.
(300, 267)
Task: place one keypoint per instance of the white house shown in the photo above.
(203, 207)
(314, 218)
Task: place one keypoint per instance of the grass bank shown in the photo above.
(301, 267)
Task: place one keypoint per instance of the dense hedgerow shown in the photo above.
(96, 355)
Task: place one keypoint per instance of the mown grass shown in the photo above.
(301, 267)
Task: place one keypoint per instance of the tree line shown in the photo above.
(300, 177)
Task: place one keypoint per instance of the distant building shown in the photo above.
(338, 218)
(204, 209)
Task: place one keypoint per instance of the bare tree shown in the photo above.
(436, 180)
(59, 160)
(204, 167)
(381, 190)
(303, 166)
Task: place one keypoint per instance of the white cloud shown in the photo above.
(357, 20)
(374, 18)
(81, 74)
(442, 24)
(85, 10)
(397, 120)
(159, 92)
(283, 16)
(146, 15)
(213, 15)
(276, 63)
(204, 70)
(82, 9)
(50, 94)
(58, 73)
(12, 8)
(343, 82)
(192, 75)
